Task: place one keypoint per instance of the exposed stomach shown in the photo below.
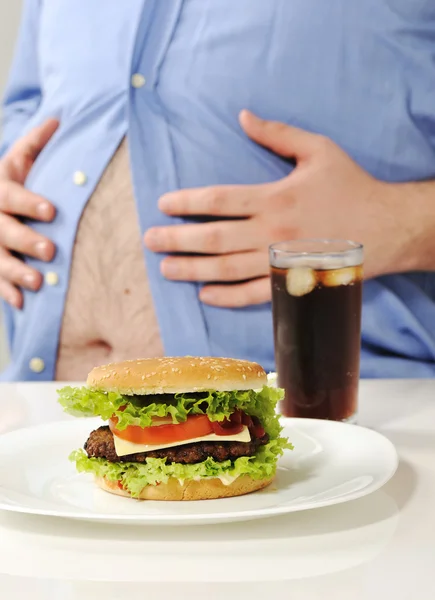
(109, 313)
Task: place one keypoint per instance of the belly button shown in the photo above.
(101, 345)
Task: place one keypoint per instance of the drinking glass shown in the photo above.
(316, 301)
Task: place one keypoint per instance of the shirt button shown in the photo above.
(80, 178)
(37, 365)
(51, 278)
(138, 80)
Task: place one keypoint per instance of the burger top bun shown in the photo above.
(177, 375)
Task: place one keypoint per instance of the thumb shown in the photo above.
(282, 139)
(21, 156)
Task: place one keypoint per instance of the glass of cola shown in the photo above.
(316, 301)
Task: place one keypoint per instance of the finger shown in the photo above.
(221, 237)
(10, 294)
(282, 139)
(16, 200)
(15, 271)
(21, 238)
(34, 141)
(238, 295)
(227, 267)
(24, 152)
(224, 200)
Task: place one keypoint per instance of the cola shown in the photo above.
(317, 333)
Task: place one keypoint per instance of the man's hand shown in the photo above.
(326, 196)
(16, 201)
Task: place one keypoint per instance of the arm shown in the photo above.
(416, 225)
(23, 92)
(18, 152)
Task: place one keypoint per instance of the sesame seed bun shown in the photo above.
(204, 489)
(177, 375)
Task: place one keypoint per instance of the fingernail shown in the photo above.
(169, 269)
(245, 113)
(14, 301)
(206, 296)
(165, 202)
(43, 250)
(43, 210)
(153, 237)
(29, 279)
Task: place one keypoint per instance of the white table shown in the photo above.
(379, 547)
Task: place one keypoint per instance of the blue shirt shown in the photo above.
(362, 73)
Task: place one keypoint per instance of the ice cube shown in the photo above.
(300, 281)
(338, 277)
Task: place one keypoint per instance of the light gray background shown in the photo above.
(10, 12)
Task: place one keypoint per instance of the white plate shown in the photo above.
(332, 463)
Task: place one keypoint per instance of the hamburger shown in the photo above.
(179, 428)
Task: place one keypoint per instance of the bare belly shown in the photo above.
(109, 313)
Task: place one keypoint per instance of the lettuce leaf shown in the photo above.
(135, 476)
(140, 410)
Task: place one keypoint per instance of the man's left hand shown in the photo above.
(326, 196)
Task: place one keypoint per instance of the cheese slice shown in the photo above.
(124, 448)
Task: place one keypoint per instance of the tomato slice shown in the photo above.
(221, 428)
(246, 420)
(254, 425)
(163, 431)
(195, 426)
(259, 432)
(229, 426)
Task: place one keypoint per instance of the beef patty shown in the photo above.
(100, 444)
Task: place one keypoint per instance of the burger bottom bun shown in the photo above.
(205, 489)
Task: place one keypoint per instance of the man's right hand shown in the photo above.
(16, 201)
